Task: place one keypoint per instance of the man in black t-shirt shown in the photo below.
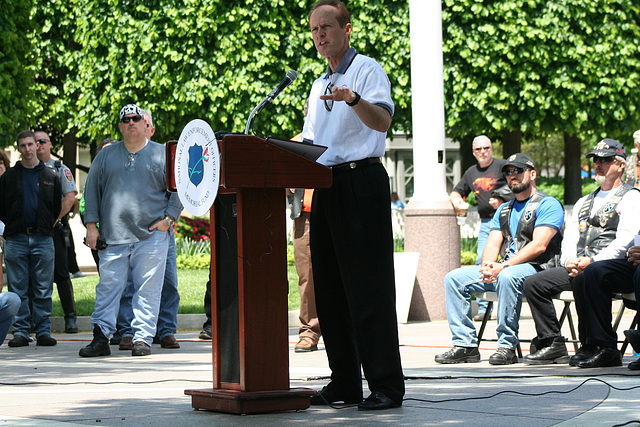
(482, 179)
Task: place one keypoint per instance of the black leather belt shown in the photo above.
(357, 164)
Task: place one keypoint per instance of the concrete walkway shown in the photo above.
(50, 386)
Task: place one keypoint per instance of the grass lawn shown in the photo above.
(191, 285)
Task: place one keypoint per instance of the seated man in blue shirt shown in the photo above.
(525, 236)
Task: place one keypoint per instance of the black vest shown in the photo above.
(524, 234)
(599, 230)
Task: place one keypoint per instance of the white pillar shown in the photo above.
(428, 101)
(430, 224)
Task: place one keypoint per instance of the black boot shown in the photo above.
(67, 300)
(556, 353)
(98, 347)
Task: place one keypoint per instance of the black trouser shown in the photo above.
(539, 289)
(592, 290)
(352, 256)
(61, 271)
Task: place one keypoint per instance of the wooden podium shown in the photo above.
(249, 285)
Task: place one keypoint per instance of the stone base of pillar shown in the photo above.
(432, 230)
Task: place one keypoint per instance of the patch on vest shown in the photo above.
(527, 215)
(608, 208)
(603, 219)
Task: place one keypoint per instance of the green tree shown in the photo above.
(16, 68)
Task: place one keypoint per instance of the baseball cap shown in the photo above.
(519, 160)
(130, 109)
(608, 148)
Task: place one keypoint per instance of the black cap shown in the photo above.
(608, 148)
(519, 160)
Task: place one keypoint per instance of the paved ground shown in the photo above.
(49, 386)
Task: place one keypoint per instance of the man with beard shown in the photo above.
(525, 235)
(602, 227)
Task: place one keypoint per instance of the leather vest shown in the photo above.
(524, 234)
(597, 231)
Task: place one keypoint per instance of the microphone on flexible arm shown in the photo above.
(288, 79)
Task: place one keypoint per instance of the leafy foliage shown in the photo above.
(16, 68)
(185, 59)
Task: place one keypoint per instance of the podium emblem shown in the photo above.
(197, 167)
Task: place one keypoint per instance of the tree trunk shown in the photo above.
(572, 160)
(70, 145)
(511, 142)
(466, 153)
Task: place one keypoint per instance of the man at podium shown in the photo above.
(350, 110)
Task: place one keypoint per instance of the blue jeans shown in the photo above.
(463, 282)
(30, 262)
(483, 236)
(169, 301)
(9, 306)
(144, 262)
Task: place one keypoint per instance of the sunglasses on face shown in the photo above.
(135, 118)
(42, 141)
(602, 160)
(514, 171)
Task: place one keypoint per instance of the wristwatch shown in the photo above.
(169, 220)
(355, 100)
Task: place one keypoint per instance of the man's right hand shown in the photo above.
(633, 255)
(92, 236)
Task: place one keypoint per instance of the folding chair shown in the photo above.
(492, 297)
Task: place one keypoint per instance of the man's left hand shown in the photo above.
(161, 225)
(633, 255)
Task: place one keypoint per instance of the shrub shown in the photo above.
(193, 262)
(196, 229)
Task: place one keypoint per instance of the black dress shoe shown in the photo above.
(633, 335)
(555, 353)
(46, 340)
(635, 365)
(377, 401)
(604, 358)
(19, 341)
(98, 347)
(326, 397)
(70, 326)
(585, 352)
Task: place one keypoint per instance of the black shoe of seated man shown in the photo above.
(635, 365)
(556, 353)
(633, 335)
(19, 341)
(141, 348)
(98, 347)
(377, 401)
(46, 340)
(459, 355)
(70, 326)
(584, 352)
(326, 397)
(604, 358)
(503, 356)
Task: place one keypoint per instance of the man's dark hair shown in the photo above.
(342, 16)
(25, 134)
(104, 142)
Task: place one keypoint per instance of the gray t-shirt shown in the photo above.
(126, 193)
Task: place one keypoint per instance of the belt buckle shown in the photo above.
(30, 230)
(352, 165)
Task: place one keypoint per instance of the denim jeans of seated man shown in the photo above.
(145, 263)
(463, 282)
(9, 306)
(30, 262)
(483, 236)
(169, 301)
